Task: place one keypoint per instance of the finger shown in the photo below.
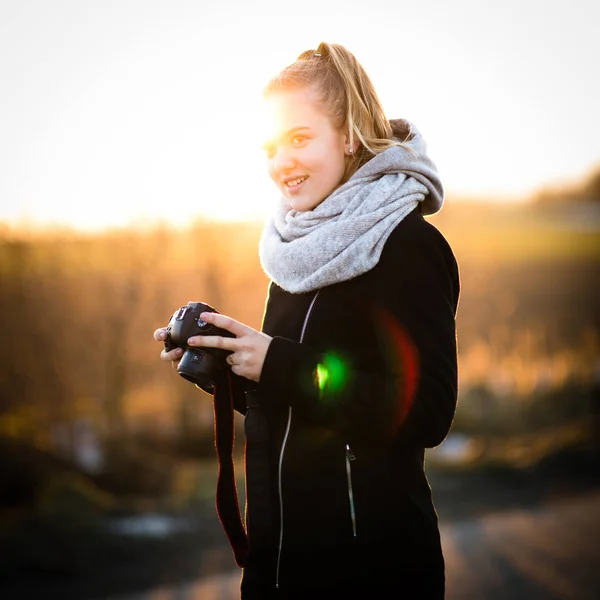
(243, 372)
(237, 370)
(225, 322)
(214, 341)
(175, 354)
(160, 334)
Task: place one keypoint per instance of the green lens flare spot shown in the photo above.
(322, 376)
(332, 373)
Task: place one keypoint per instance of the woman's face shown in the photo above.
(306, 152)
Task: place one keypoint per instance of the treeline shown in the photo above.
(587, 190)
(79, 313)
(80, 371)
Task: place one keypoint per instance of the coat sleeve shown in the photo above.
(410, 394)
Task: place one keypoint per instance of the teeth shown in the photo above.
(295, 181)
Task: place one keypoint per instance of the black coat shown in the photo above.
(349, 412)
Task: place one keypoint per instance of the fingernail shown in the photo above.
(190, 342)
(178, 351)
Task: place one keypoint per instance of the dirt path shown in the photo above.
(542, 553)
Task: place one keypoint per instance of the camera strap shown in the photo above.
(227, 501)
(259, 515)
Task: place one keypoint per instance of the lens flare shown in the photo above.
(322, 376)
(331, 373)
(403, 358)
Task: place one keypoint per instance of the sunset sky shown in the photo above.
(133, 111)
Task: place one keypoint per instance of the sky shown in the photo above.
(129, 112)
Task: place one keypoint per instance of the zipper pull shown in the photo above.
(349, 453)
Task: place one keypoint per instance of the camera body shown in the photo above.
(202, 366)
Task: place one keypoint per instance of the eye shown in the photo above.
(298, 139)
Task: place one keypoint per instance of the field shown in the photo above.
(93, 428)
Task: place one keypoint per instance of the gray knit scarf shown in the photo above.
(343, 237)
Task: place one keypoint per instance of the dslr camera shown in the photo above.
(202, 366)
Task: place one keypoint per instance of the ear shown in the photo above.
(351, 148)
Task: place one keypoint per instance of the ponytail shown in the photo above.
(347, 95)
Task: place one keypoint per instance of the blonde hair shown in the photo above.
(348, 96)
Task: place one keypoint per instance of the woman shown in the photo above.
(355, 370)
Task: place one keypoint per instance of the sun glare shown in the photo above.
(140, 130)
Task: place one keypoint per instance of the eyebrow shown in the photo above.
(289, 132)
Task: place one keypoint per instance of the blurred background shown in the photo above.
(132, 181)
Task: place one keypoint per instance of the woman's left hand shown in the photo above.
(249, 347)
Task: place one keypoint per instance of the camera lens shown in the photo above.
(200, 368)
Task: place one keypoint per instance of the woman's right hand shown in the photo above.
(173, 355)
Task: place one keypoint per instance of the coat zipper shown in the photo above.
(285, 437)
(350, 457)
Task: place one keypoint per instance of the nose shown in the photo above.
(283, 160)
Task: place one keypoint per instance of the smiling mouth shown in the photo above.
(292, 183)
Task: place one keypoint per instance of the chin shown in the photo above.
(302, 204)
